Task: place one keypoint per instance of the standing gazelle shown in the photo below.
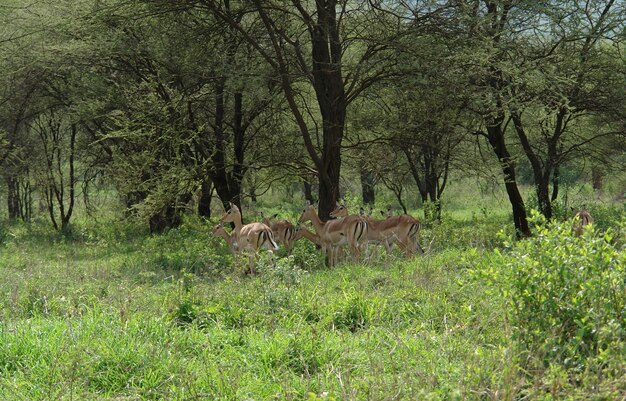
(250, 237)
(283, 231)
(402, 229)
(334, 233)
(582, 218)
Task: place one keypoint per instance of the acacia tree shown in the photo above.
(428, 134)
(566, 77)
(310, 41)
(537, 76)
(482, 55)
(37, 93)
(21, 80)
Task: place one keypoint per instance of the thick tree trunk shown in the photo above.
(170, 216)
(166, 218)
(326, 54)
(228, 184)
(329, 187)
(543, 198)
(555, 183)
(597, 176)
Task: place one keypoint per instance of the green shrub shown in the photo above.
(565, 293)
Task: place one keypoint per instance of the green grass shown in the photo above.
(110, 312)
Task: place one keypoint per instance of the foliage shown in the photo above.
(565, 300)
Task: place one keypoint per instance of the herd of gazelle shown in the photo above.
(354, 231)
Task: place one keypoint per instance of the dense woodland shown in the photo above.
(171, 104)
(129, 128)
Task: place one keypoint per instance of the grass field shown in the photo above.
(109, 312)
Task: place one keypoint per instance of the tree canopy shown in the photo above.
(166, 102)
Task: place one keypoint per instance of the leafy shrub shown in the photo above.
(189, 247)
(566, 294)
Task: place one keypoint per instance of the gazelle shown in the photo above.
(334, 233)
(218, 230)
(402, 229)
(283, 231)
(250, 237)
(582, 218)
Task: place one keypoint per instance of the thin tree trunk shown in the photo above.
(520, 220)
(13, 197)
(206, 195)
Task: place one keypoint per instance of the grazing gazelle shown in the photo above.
(582, 218)
(334, 233)
(250, 237)
(302, 232)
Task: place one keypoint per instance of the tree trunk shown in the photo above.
(496, 140)
(326, 54)
(543, 198)
(169, 216)
(65, 218)
(206, 195)
(555, 183)
(13, 197)
(597, 176)
(166, 218)
(329, 177)
(308, 192)
(367, 187)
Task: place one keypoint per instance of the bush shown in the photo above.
(566, 295)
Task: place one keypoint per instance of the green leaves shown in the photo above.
(563, 292)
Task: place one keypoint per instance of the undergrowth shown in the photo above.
(115, 313)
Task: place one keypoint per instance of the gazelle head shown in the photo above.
(339, 211)
(307, 213)
(231, 214)
(216, 228)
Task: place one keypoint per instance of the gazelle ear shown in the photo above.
(307, 203)
(362, 211)
(337, 203)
